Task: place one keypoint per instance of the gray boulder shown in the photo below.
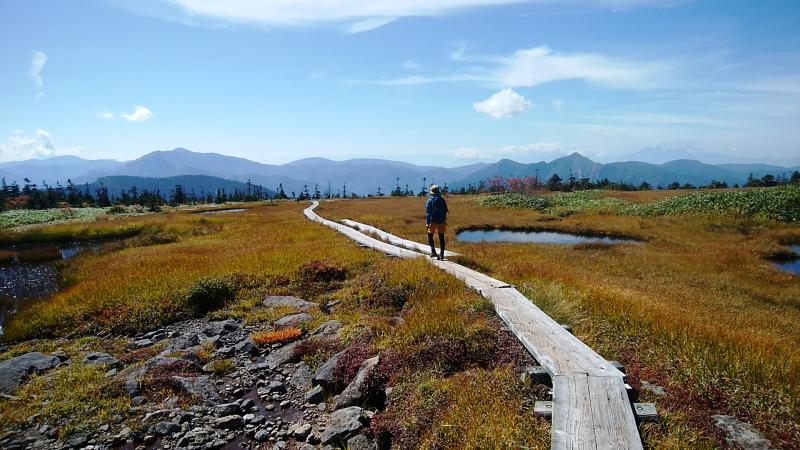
(227, 409)
(343, 424)
(201, 387)
(315, 395)
(741, 434)
(294, 302)
(232, 422)
(165, 428)
(281, 356)
(355, 392)
(324, 375)
(220, 327)
(301, 379)
(246, 346)
(100, 358)
(293, 320)
(14, 371)
(328, 330)
(361, 442)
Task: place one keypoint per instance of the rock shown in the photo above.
(14, 371)
(181, 343)
(328, 330)
(220, 327)
(79, 441)
(741, 434)
(355, 392)
(95, 358)
(293, 320)
(361, 442)
(653, 388)
(281, 356)
(294, 302)
(201, 387)
(261, 435)
(165, 428)
(324, 375)
(315, 395)
(276, 386)
(300, 431)
(246, 346)
(232, 422)
(131, 375)
(301, 379)
(248, 404)
(342, 425)
(141, 343)
(227, 409)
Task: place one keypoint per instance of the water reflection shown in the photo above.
(791, 266)
(29, 273)
(539, 237)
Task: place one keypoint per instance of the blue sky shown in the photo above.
(437, 82)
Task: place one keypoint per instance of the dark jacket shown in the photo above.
(435, 210)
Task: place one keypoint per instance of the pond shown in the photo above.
(220, 211)
(792, 266)
(539, 237)
(28, 273)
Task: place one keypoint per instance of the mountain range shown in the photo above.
(363, 176)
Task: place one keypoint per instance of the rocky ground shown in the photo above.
(268, 399)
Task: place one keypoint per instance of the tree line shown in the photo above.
(555, 183)
(45, 196)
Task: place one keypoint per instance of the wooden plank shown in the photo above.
(614, 425)
(591, 409)
(392, 239)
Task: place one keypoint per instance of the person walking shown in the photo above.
(436, 220)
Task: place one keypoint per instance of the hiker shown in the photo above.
(436, 220)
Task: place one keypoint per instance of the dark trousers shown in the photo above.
(433, 246)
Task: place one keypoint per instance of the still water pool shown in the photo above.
(539, 237)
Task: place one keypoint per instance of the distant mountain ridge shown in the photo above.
(365, 176)
(198, 185)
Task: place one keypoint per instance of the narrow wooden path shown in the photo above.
(591, 409)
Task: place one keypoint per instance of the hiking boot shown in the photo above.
(434, 255)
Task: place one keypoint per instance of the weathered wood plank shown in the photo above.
(591, 409)
(392, 239)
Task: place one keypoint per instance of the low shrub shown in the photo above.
(277, 336)
(315, 352)
(322, 271)
(222, 366)
(349, 362)
(209, 294)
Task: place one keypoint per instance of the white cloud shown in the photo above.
(369, 24)
(369, 14)
(503, 104)
(20, 146)
(558, 103)
(38, 61)
(539, 65)
(411, 65)
(538, 151)
(139, 114)
(105, 115)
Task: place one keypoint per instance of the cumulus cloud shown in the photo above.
(139, 114)
(357, 15)
(38, 61)
(105, 115)
(503, 104)
(538, 150)
(21, 146)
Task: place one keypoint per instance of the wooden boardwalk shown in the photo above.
(591, 409)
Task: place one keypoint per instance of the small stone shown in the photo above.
(100, 358)
(232, 422)
(741, 434)
(361, 442)
(293, 320)
(285, 404)
(315, 395)
(166, 428)
(227, 409)
(149, 439)
(248, 404)
(261, 436)
(300, 431)
(343, 424)
(653, 389)
(276, 386)
(294, 302)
